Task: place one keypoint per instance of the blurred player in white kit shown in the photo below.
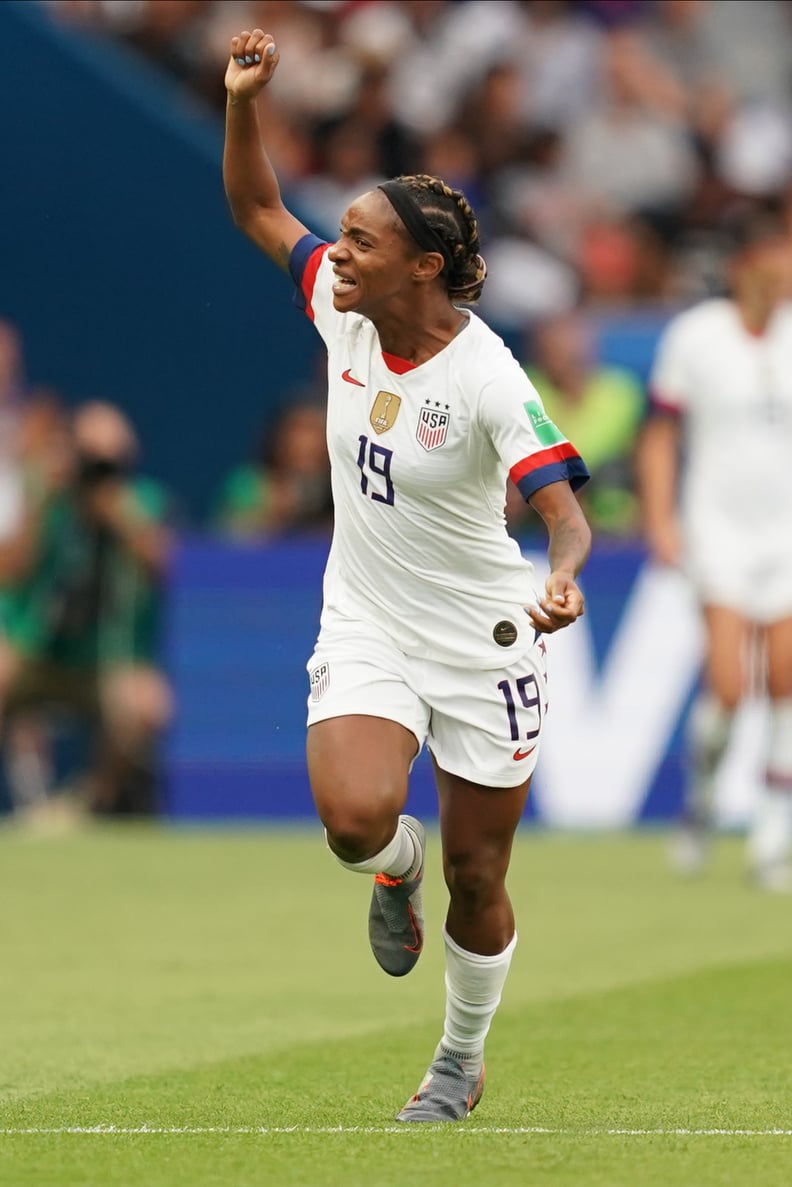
(715, 470)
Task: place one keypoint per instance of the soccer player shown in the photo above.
(722, 387)
(430, 628)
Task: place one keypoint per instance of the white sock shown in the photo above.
(474, 985)
(402, 857)
(709, 731)
(770, 836)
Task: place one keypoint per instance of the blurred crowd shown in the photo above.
(603, 143)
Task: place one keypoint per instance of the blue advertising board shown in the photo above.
(242, 623)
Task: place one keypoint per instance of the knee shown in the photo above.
(137, 704)
(356, 831)
(728, 694)
(474, 881)
(779, 682)
(10, 666)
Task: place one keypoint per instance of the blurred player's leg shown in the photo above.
(728, 637)
(709, 731)
(770, 838)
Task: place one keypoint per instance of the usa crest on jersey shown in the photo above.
(319, 680)
(432, 427)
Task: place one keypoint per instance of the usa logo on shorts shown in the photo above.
(319, 679)
(432, 426)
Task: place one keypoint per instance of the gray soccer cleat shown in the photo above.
(396, 925)
(446, 1094)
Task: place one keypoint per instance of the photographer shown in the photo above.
(82, 582)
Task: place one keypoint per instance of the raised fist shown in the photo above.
(251, 65)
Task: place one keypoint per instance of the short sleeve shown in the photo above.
(535, 452)
(312, 273)
(670, 378)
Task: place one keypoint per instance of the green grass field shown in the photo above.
(185, 1009)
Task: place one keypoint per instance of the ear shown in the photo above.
(428, 267)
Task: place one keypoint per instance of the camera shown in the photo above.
(94, 470)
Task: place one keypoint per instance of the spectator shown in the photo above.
(631, 153)
(286, 488)
(601, 407)
(559, 53)
(83, 592)
(12, 387)
(396, 148)
(348, 159)
(38, 455)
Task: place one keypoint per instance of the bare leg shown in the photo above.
(136, 706)
(477, 826)
(726, 679)
(770, 838)
(359, 767)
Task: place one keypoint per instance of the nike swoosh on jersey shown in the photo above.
(346, 375)
(518, 754)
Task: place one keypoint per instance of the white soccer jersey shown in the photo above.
(733, 390)
(419, 461)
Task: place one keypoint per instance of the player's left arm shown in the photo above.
(568, 547)
(547, 470)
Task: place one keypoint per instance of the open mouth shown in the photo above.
(342, 284)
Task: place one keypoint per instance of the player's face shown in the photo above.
(373, 259)
(764, 272)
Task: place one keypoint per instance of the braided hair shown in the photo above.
(451, 216)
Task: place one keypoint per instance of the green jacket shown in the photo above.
(86, 601)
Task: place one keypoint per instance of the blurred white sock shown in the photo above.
(770, 836)
(708, 734)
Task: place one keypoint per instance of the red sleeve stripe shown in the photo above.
(309, 276)
(660, 407)
(556, 453)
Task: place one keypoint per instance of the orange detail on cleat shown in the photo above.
(386, 880)
(417, 945)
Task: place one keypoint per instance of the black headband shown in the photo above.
(414, 220)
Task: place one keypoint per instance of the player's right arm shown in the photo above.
(656, 463)
(251, 185)
(657, 457)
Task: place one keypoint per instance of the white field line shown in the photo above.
(268, 1130)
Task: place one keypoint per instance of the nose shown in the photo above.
(337, 251)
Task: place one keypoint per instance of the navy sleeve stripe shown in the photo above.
(298, 260)
(573, 470)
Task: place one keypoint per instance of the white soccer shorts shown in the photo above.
(483, 725)
(751, 576)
